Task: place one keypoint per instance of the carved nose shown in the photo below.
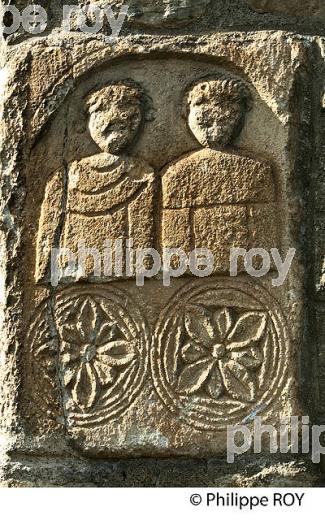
(106, 127)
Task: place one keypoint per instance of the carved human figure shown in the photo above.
(217, 197)
(109, 195)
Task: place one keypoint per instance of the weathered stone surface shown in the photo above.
(268, 472)
(291, 7)
(211, 187)
(158, 13)
(189, 16)
(168, 140)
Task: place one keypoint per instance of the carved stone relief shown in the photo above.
(173, 148)
(104, 197)
(220, 353)
(100, 352)
(217, 197)
(200, 355)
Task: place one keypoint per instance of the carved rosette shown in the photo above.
(100, 352)
(219, 353)
(103, 354)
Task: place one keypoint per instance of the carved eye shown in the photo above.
(197, 102)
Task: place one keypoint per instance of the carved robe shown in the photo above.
(105, 199)
(217, 200)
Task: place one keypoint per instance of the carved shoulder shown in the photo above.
(103, 172)
(209, 177)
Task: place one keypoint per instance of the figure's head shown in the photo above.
(216, 109)
(115, 116)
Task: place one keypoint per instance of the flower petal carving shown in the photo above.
(69, 374)
(248, 329)
(84, 391)
(216, 339)
(215, 384)
(199, 325)
(194, 376)
(86, 322)
(192, 352)
(238, 381)
(223, 321)
(70, 334)
(117, 353)
(107, 332)
(70, 352)
(251, 358)
(105, 372)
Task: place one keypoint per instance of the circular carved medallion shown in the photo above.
(219, 353)
(101, 352)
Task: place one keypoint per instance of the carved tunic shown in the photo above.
(218, 200)
(105, 201)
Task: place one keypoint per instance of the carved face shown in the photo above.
(115, 117)
(215, 115)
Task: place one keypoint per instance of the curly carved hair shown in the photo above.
(125, 94)
(212, 87)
